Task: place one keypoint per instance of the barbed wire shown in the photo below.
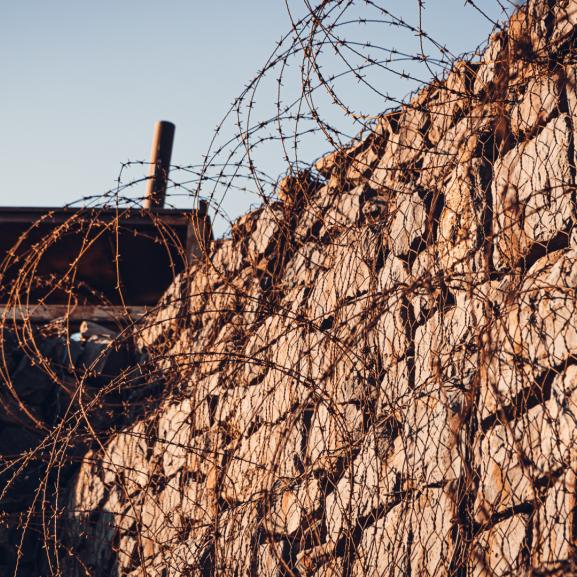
(372, 372)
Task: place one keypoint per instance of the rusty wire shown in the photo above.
(371, 373)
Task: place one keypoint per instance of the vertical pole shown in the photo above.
(199, 233)
(159, 164)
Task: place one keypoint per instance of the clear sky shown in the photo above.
(83, 82)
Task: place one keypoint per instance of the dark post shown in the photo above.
(199, 233)
(159, 164)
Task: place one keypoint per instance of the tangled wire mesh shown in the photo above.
(373, 373)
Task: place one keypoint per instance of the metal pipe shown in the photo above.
(159, 164)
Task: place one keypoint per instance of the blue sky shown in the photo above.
(84, 82)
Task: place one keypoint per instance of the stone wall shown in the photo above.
(377, 373)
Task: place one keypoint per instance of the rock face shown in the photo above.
(377, 374)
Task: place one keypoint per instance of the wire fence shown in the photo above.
(373, 373)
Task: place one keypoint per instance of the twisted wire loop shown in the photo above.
(373, 373)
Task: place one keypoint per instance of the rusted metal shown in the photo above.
(159, 164)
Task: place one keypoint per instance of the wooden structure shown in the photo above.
(114, 262)
(98, 264)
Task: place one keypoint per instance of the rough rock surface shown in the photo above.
(376, 375)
